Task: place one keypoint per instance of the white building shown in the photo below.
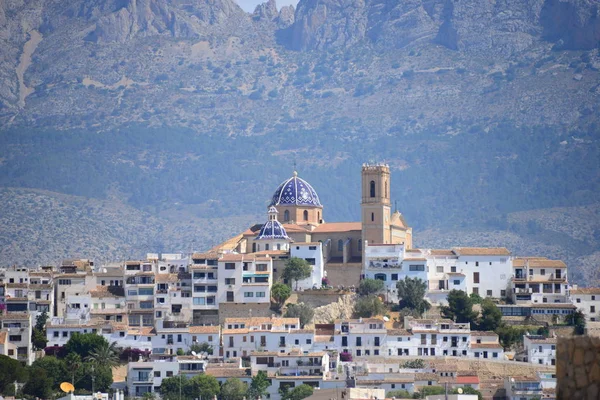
(523, 388)
(588, 301)
(539, 280)
(16, 329)
(540, 350)
(313, 254)
(244, 278)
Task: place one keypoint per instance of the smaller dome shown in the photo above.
(271, 230)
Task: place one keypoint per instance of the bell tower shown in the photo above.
(375, 204)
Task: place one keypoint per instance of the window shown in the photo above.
(261, 267)
(475, 277)
(64, 281)
(489, 293)
(530, 272)
(503, 293)
(359, 244)
(440, 269)
(340, 245)
(394, 277)
(456, 282)
(477, 263)
(55, 334)
(381, 277)
(157, 374)
(254, 247)
(416, 268)
(579, 300)
(372, 217)
(65, 334)
(311, 261)
(372, 189)
(286, 215)
(267, 246)
(592, 308)
(230, 281)
(305, 215)
(452, 269)
(542, 271)
(593, 298)
(169, 374)
(229, 265)
(248, 294)
(260, 294)
(146, 291)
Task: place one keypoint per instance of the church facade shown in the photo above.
(295, 220)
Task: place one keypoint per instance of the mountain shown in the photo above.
(483, 111)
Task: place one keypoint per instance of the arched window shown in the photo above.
(286, 215)
(305, 215)
(254, 247)
(267, 246)
(386, 193)
(340, 245)
(372, 217)
(381, 277)
(372, 188)
(278, 246)
(359, 244)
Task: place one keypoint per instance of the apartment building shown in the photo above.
(540, 350)
(16, 327)
(360, 337)
(204, 273)
(485, 345)
(146, 376)
(172, 337)
(539, 280)
(588, 301)
(241, 336)
(523, 388)
(244, 278)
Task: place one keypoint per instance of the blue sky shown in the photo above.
(249, 5)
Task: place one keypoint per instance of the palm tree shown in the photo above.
(105, 354)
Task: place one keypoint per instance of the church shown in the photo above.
(296, 218)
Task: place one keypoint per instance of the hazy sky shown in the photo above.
(249, 5)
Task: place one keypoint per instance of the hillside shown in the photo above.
(484, 113)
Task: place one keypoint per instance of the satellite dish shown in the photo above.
(194, 353)
(459, 390)
(67, 387)
(386, 319)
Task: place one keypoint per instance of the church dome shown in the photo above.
(295, 192)
(272, 229)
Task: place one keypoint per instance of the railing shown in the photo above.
(142, 378)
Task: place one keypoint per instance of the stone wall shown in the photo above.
(240, 310)
(578, 368)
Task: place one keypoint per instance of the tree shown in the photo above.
(412, 294)
(84, 344)
(469, 390)
(460, 307)
(201, 348)
(233, 389)
(10, 371)
(280, 292)
(73, 364)
(38, 384)
(55, 368)
(413, 364)
(476, 298)
(296, 269)
(298, 393)
(40, 321)
(102, 377)
(399, 394)
(431, 391)
(370, 286)
(259, 385)
(491, 316)
(577, 320)
(368, 306)
(203, 386)
(105, 354)
(38, 339)
(171, 387)
(302, 311)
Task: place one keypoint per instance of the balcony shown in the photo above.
(142, 378)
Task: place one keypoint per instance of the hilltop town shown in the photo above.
(296, 305)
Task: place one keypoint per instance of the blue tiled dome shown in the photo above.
(295, 192)
(272, 229)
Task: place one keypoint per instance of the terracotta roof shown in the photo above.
(323, 339)
(210, 255)
(296, 228)
(163, 278)
(144, 331)
(241, 257)
(481, 251)
(484, 333)
(332, 227)
(486, 345)
(235, 331)
(539, 262)
(585, 291)
(102, 291)
(16, 285)
(442, 252)
(204, 329)
(271, 252)
(415, 259)
(544, 341)
(468, 380)
(426, 376)
(227, 372)
(553, 305)
(40, 286)
(398, 332)
(257, 321)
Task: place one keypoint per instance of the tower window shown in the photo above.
(372, 217)
(318, 217)
(372, 189)
(305, 215)
(359, 244)
(267, 246)
(386, 191)
(254, 247)
(340, 245)
(286, 215)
